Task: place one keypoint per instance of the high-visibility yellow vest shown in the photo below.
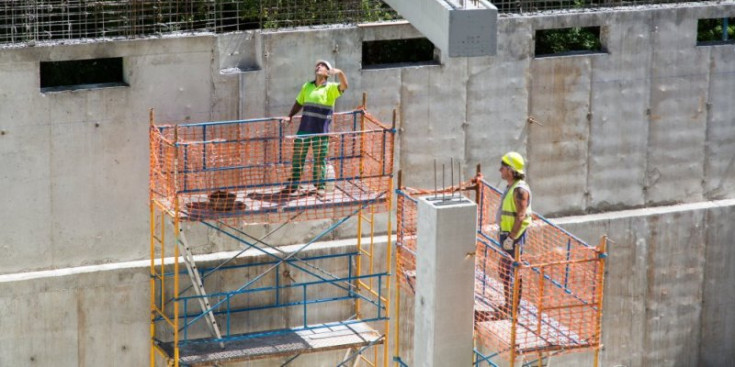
(508, 209)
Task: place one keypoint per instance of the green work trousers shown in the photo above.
(319, 148)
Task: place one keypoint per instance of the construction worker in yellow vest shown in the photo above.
(317, 98)
(514, 217)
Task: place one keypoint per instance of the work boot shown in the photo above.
(289, 190)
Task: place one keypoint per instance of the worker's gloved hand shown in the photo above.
(508, 244)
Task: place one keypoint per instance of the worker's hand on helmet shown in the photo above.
(508, 244)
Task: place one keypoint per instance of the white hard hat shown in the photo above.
(325, 62)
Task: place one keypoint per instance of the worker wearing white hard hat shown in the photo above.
(317, 98)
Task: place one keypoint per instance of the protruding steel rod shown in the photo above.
(435, 192)
(443, 183)
(451, 176)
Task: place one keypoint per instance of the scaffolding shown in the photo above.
(223, 176)
(556, 304)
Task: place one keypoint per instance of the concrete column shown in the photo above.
(445, 283)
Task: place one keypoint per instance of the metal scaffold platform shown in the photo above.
(557, 302)
(278, 301)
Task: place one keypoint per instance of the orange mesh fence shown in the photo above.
(558, 293)
(406, 241)
(407, 214)
(247, 171)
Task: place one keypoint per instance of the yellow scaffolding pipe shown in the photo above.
(358, 265)
(169, 208)
(602, 252)
(388, 258)
(514, 307)
(152, 283)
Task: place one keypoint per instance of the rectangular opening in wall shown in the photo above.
(568, 41)
(82, 74)
(715, 31)
(397, 53)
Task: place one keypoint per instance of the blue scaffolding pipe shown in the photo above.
(204, 151)
(261, 275)
(483, 358)
(295, 285)
(404, 194)
(569, 256)
(281, 137)
(543, 219)
(223, 123)
(543, 321)
(340, 133)
(398, 360)
(305, 301)
(206, 272)
(250, 245)
(262, 165)
(537, 271)
(232, 294)
(248, 121)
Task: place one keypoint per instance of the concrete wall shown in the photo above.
(668, 298)
(668, 292)
(99, 315)
(647, 123)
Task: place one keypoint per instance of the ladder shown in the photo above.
(196, 283)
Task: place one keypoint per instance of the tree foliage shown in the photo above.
(712, 30)
(558, 41)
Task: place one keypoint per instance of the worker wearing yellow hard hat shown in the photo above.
(514, 217)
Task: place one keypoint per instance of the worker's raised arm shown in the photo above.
(343, 84)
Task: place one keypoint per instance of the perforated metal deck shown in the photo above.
(258, 205)
(321, 337)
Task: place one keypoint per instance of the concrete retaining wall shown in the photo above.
(667, 288)
(668, 297)
(647, 123)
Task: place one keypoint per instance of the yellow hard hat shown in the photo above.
(514, 161)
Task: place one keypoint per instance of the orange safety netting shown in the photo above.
(557, 300)
(406, 202)
(236, 171)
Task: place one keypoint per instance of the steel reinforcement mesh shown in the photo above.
(237, 171)
(23, 21)
(44, 20)
(558, 309)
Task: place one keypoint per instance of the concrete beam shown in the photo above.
(460, 28)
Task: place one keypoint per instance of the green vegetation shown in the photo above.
(712, 30)
(568, 40)
(62, 19)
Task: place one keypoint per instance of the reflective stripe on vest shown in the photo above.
(508, 209)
